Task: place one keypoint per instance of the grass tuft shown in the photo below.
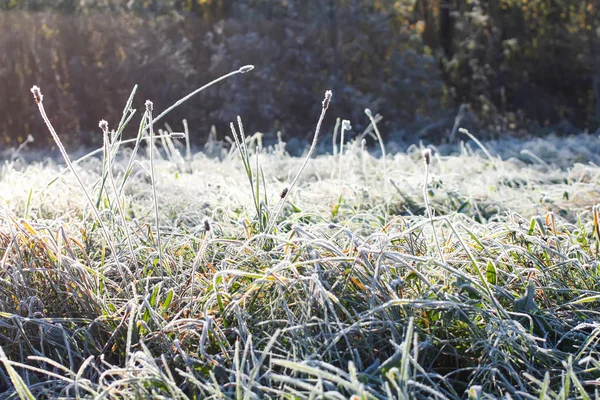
(477, 279)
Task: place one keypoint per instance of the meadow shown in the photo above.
(146, 270)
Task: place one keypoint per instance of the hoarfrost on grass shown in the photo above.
(348, 288)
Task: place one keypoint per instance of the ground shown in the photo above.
(351, 290)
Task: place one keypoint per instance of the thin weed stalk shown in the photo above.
(38, 97)
(363, 157)
(242, 70)
(128, 113)
(427, 159)
(188, 150)
(149, 108)
(136, 147)
(481, 146)
(280, 146)
(242, 147)
(383, 155)
(107, 145)
(335, 132)
(368, 130)
(164, 145)
(280, 204)
(345, 127)
(21, 147)
(178, 159)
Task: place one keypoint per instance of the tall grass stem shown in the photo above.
(280, 204)
(39, 101)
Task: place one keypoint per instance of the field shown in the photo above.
(144, 271)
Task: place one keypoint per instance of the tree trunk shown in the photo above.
(446, 27)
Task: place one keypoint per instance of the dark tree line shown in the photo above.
(516, 64)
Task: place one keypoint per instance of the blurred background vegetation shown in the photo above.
(517, 65)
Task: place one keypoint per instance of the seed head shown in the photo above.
(368, 112)
(246, 68)
(284, 193)
(149, 106)
(206, 225)
(37, 94)
(327, 99)
(103, 125)
(346, 125)
(30, 139)
(427, 156)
